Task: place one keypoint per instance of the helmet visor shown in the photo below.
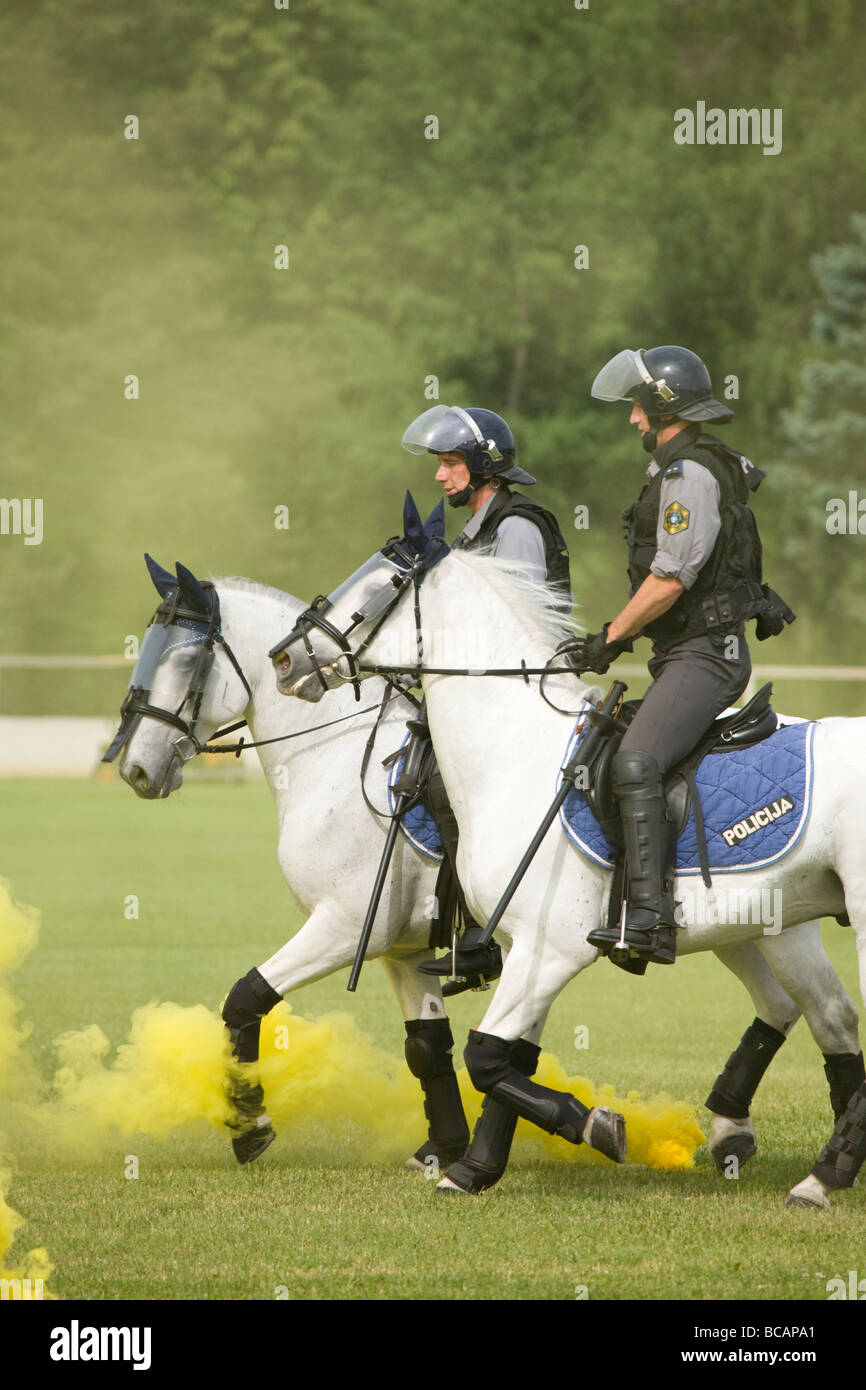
(441, 431)
(621, 376)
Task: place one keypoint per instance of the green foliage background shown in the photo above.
(410, 257)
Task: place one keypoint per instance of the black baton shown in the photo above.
(384, 863)
(603, 725)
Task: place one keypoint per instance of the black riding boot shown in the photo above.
(472, 967)
(650, 849)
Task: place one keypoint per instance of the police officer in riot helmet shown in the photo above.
(477, 462)
(695, 573)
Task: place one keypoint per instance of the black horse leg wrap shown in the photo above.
(428, 1056)
(732, 1093)
(845, 1072)
(492, 1070)
(248, 1001)
(487, 1156)
(839, 1161)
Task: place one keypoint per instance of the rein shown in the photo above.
(242, 746)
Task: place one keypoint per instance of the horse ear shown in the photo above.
(191, 588)
(413, 527)
(164, 580)
(434, 526)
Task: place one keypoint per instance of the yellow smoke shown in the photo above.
(19, 932)
(172, 1071)
(33, 1274)
(322, 1078)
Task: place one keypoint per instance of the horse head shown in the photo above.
(185, 684)
(323, 647)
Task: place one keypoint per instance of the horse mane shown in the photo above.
(537, 606)
(237, 584)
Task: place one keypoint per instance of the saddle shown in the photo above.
(752, 724)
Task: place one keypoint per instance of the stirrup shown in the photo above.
(654, 944)
(466, 969)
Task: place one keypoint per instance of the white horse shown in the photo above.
(329, 843)
(329, 840)
(499, 749)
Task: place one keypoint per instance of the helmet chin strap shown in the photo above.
(650, 438)
(460, 499)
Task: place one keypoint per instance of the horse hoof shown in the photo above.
(740, 1147)
(605, 1132)
(252, 1143)
(431, 1157)
(809, 1193)
(449, 1188)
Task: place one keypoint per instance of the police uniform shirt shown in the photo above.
(689, 520)
(516, 539)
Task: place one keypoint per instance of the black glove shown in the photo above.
(595, 653)
(772, 621)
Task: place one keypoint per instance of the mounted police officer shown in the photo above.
(477, 462)
(695, 572)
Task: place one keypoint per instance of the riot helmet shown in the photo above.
(668, 383)
(480, 436)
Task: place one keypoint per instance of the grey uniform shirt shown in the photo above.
(689, 520)
(516, 539)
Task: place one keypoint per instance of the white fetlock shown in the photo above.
(811, 1192)
(415, 1165)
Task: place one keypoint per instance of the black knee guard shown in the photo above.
(488, 1060)
(839, 1161)
(732, 1093)
(845, 1073)
(248, 1001)
(524, 1056)
(428, 1056)
(487, 1156)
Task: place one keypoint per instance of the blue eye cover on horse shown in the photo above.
(755, 801)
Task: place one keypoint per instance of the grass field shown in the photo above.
(329, 1212)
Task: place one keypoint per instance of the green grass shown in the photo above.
(314, 1217)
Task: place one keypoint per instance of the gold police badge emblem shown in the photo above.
(676, 518)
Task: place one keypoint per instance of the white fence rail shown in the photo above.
(51, 745)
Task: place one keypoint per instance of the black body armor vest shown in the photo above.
(729, 588)
(507, 503)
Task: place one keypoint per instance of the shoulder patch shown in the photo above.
(676, 518)
(674, 470)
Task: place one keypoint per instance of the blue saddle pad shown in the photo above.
(418, 825)
(755, 802)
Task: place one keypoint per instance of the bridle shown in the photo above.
(207, 633)
(411, 569)
(380, 606)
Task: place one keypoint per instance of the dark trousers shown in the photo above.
(692, 683)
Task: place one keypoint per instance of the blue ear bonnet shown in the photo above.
(183, 589)
(426, 539)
